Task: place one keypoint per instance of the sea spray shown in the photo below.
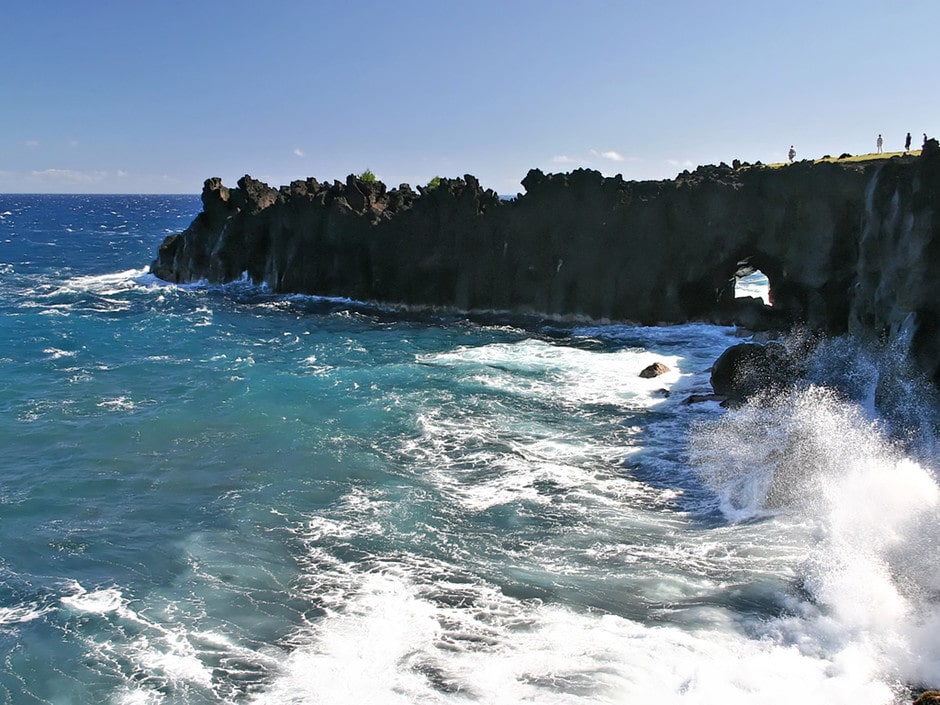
(866, 507)
(883, 380)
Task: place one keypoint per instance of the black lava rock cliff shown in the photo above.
(847, 247)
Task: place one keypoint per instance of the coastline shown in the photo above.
(845, 246)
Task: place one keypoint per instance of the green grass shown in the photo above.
(868, 157)
(871, 157)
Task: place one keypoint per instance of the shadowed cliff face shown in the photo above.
(843, 246)
(897, 285)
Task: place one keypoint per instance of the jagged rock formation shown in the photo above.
(844, 246)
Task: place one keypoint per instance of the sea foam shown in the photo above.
(869, 516)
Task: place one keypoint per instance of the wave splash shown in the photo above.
(863, 496)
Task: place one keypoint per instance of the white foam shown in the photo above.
(110, 284)
(119, 404)
(395, 641)
(96, 602)
(357, 658)
(21, 614)
(540, 422)
(871, 518)
(193, 666)
(173, 656)
(402, 629)
(569, 375)
(57, 354)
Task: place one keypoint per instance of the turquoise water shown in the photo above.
(218, 495)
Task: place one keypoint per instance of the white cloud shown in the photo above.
(121, 173)
(298, 151)
(562, 159)
(610, 154)
(70, 176)
(31, 143)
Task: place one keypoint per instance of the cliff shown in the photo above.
(845, 246)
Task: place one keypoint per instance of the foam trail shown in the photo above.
(21, 614)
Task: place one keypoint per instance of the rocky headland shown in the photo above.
(846, 246)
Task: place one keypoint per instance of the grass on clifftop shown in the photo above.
(872, 156)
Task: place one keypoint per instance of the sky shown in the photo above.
(120, 96)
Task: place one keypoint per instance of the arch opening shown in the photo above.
(752, 292)
(751, 282)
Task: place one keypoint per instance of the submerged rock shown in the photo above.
(700, 398)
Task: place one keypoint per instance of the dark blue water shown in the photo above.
(218, 495)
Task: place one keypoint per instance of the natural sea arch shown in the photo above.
(755, 284)
(755, 294)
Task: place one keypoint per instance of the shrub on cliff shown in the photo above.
(434, 183)
(367, 177)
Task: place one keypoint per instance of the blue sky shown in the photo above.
(154, 97)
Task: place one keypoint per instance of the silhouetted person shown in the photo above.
(907, 142)
(791, 154)
(880, 143)
(925, 142)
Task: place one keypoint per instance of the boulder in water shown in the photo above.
(654, 370)
(748, 368)
(928, 697)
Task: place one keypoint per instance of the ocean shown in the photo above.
(217, 494)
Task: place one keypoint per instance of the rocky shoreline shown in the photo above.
(846, 247)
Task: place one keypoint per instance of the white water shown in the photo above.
(870, 520)
(826, 518)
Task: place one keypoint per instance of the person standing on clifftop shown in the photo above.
(924, 145)
(907, 143)
(880, 143)
(791, 154)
